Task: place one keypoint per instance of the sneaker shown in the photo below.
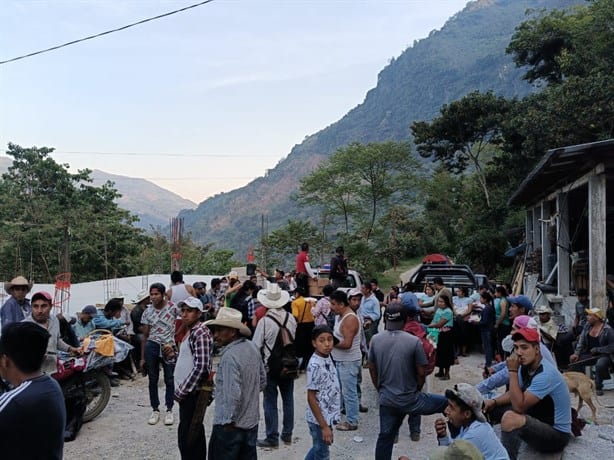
(286, 438)
(363, 409)
(168, 418)
(345, 426)
(414, 437)
(599, 392)
(267, 443)
(155, 417)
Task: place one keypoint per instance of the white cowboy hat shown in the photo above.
(273, 296)
(17, 281)
(229, 317)
(543, 309)
(117, 295)
(142, 295)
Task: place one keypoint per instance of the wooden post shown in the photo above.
(545, 242)
(563, 244)
(597, 238)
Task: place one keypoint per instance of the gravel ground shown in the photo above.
(121, 431)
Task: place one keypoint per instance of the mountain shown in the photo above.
(137, 197)
(153, 205)
(467, 54)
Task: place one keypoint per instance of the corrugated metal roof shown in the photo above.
(560, 167)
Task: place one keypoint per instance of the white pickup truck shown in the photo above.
(352, 281)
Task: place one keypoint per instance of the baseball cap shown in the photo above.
(41, 295)
(525, 321)
(521, 301)
(470, 396)
(458, 450)
(526, 333)
(395, 316)
(191, 302)
(90, 310)
(409, 302)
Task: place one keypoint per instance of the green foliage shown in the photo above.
(572, 53)
(359, 183)
(57, 222)
(463, 132)
(155, 257)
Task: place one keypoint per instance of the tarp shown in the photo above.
(436, 259)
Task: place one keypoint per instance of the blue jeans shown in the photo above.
(152, 361)
(348, 378)
(233, 444)
(271, 419)
(319, 450)
(486, 335)
(391, 418)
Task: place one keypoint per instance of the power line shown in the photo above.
(53, 48)
(163, 154)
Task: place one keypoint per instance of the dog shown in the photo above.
(584, 388)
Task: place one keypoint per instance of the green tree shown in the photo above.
(57, 222)
(360, 182)
(463, 133)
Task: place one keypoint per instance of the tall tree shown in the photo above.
(463, 133)
(359, 182)
(56, 221)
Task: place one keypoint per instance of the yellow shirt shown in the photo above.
(301, 310)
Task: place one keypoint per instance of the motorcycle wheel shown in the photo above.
(98, 393)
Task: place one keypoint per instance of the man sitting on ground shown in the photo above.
(537, 408)
(464, 413)
(595, 347)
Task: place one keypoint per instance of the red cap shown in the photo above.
(41, 295)
(526, 333)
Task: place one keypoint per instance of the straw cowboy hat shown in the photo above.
(17, 281)
(229, 317)
(142, 295)
(273, 296)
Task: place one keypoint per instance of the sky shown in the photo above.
(200, 102)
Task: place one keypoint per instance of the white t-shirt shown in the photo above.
(322, 377)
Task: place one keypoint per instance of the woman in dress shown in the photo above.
(443, 321)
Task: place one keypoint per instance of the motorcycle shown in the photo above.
(83, 385)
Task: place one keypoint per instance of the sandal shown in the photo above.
(345, 426)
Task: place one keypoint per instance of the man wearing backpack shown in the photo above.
(266, 340)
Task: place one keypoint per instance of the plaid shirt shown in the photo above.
(200, 342)
(252, 304)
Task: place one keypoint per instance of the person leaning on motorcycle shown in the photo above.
(41, 309)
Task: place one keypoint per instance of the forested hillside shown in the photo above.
(467, 54)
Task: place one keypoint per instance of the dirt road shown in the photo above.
(122, 430)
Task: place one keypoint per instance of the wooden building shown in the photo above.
(569, 203)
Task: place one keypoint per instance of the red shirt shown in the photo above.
(301, 258)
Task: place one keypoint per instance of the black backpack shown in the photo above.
(283, 363)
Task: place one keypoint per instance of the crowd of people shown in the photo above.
(267, 332)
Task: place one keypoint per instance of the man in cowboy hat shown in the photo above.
(595, 347)
(238, 383)
(274, 299)
(17, 307)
